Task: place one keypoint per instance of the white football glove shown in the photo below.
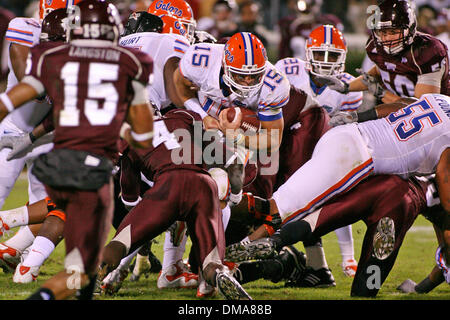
(440, 262)
(204, 37)
(20, 145)
(177, 231)
(373, 86)
(333, 83)
(343, 117)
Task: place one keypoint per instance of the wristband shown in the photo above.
(141, 136)
(193, 105)
(7, 102)
(367, 115)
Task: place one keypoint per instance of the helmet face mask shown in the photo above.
(244, 64)
(326, 51)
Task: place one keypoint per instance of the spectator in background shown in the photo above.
(250, 20)
(222, 23)
(425, 15)
(5, 17)
(296, 27)
(441, 26)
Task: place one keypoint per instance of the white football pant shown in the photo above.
(10, 170)
(341, 159)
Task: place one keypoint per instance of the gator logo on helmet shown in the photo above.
(228, 55)
(180, 28)
(49, 2)
(160, 5)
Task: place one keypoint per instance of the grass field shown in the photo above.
(415, 260)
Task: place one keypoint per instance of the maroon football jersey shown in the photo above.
(176, 132)
(399, 72)
(91, 90)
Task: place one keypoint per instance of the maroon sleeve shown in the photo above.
(431, 54)
(130, 176)
(47, 122)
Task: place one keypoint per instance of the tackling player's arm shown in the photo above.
(140, 117)
(18, 55)
(15, 97)
(187, 92)
(170, 68)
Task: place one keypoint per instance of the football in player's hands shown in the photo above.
(250, 123)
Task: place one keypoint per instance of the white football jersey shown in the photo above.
(25, 32)
(161, 47)
(331, 100)
(202, 65)
(410, 141)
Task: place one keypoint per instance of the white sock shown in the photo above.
(315, 257)
(40, 250)
(21, 240)
(171, 253)
(345, 241)
(15, 217)
(226, 214)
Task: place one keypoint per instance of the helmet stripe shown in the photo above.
(247, 48)
(251, 48)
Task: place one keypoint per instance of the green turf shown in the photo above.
(415, 260)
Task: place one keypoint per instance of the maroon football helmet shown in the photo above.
(54, 26)
(95, 20)
(394, 16)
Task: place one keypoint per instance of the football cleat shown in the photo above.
(349, 268)
(321, 278)
(113, 281)
(205, 290)
(293, 261)
(177, 275)
(25, 274)
(229, 287)
(254, 250)
(142, 266)
(9, 258)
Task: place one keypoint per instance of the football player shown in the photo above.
(166, 47)
(214, 77)
(384, 146)
(181, 192)
(326, 52)
(408, 63)
(23, 33)
(85, 134)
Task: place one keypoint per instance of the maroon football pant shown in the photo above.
(379, 201)
(88, 221)
(179, 195)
